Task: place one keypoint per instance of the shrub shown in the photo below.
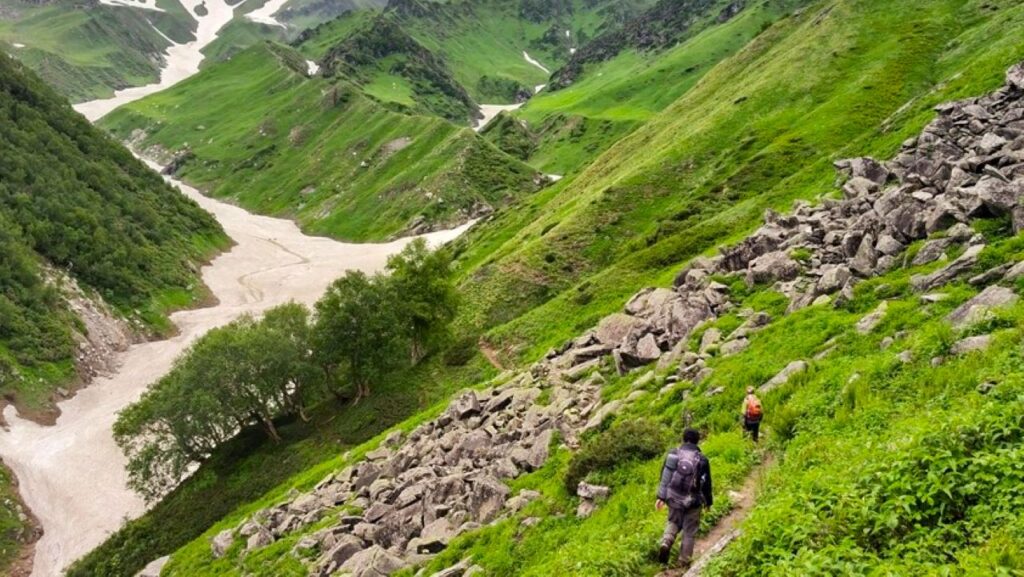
(629, 441)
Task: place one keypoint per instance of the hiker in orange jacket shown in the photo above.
(752, 413)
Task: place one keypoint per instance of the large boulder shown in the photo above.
(222, 542)
(465, 406)
(487, 498)
(784, 375)
(962, 264)
(345, 547)
(1015, 77)
(614, 328)
(373, 562)
(771, 267)
(976, 309)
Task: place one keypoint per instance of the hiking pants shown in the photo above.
(752, 426)
(687, 521)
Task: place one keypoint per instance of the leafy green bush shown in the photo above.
(629, 441)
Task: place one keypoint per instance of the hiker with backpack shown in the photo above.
(686, 488)
(752, 413)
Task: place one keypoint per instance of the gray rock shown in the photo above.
(261, 538)
(154, 568)
(865, 259)
(613, 329)
(932, 251)
(771, 267)
(859, 186)
(871, 320)
(733, 347)
(1016, 272)
(603, 413)
(344, 548)
(971, 344)
(466, 406)
(487, 498)
(784, 375)
(976, 309)
(1015, 77)
(833, 278)
(597, 493)
(373, 562)
(710, 338)
(965, 262)
(888, 245)
(222, 542)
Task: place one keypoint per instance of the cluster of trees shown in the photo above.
(72, 197)
(255, 371)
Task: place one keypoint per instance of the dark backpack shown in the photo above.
(686, 478)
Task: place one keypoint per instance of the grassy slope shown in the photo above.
(480, 38)
(856, 411)
(282, 143)
(88, 52)
(577, 123)
(760, 130)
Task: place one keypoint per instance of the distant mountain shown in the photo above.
(86, 49)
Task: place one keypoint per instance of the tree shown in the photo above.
(423, 281)
(247, 373)
(358, 331)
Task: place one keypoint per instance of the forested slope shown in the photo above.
(74, 200)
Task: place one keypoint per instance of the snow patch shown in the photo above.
(144, 4)
(529, 59)
(265, 13)
(18, 45)
(490, 111)
(312, 67)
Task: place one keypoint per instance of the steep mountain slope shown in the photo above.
(760, 129)
(757, 131)
(87, 49)
(89, 238)
(382, 53)
(320, 151)
(870, 360)
(571, 123)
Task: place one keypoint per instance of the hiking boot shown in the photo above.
(663, 554)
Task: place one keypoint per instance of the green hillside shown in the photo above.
(625, 85)
(672, 148)
(87, 50)
(320, 151)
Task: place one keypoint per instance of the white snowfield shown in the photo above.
(265, 14)
(490, 111)
(144, 4)
(72, 475)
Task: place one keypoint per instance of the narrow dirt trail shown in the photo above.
(727, 528)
